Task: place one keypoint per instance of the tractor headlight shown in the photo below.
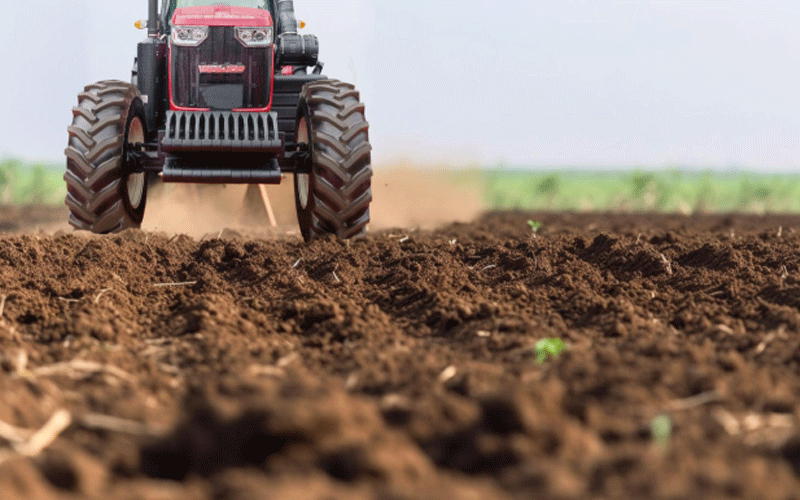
(254, 37)
(189, 36)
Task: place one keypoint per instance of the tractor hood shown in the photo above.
(221, 15)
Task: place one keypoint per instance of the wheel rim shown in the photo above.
(136, 182)
(303, 180)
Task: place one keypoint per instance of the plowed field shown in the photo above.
(404, 365)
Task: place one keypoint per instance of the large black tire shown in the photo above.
(104, 195)
(334, 194)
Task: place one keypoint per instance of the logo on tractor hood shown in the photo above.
(221, 15)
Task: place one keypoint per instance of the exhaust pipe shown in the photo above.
(152, 18)
(287, 23)
(294, 49)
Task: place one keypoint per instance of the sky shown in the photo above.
(590, 83)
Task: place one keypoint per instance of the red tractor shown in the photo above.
(223, 92)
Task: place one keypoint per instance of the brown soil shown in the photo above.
(402, 366)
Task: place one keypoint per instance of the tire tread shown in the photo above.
(340, 134)
(94, 158)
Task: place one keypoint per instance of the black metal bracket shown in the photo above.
(145, 157)
(296, 146)
(296, 158)
(296, 163)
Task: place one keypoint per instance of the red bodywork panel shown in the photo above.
(220, 15)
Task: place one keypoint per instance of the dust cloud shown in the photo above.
(402, 197)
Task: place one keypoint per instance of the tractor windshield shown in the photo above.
(256, 4)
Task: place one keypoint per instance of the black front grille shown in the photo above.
(193, 88)
(221, 130)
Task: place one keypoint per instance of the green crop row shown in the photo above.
(670, 191)
(27, 184)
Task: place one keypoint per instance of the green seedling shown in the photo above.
(549, 348)
(535, 226)
(661, 429)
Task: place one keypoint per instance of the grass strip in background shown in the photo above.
(665, 191)
(673, 191)
(31, 184)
